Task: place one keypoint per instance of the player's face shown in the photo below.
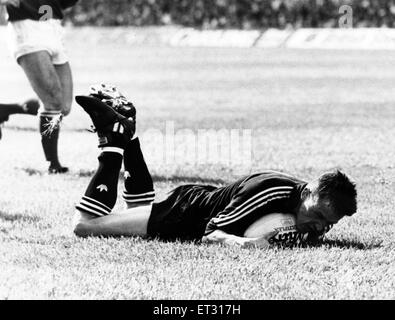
(315, 215)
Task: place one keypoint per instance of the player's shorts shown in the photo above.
(29, 36)
(181, 215)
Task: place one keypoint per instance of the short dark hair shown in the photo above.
(341, 192)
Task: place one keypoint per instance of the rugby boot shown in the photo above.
(31, 107)
(113, 129)
(115, 99)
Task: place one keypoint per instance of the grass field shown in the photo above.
(309, 111)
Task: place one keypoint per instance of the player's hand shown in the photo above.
(261, 242)
(14, 3)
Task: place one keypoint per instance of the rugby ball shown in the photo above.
(282, 223)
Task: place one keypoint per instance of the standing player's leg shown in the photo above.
(45, 81)
(66, 83)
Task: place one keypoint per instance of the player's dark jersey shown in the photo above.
(256, 196)
(192, 211)
(30, 9)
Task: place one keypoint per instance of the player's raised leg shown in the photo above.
(45, 81)
(114, 131)
(139, 188)
(101, 194)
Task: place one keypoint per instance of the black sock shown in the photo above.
(49, 141)
(101, 194)
(139, 188)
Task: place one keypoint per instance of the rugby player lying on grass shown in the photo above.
(6, 110)
(196, 212)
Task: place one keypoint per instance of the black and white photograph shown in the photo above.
(197, 150)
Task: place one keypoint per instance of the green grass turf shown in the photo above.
(309, 111)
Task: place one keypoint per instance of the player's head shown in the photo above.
(325, 201)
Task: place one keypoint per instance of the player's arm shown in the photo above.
(14, 3)
(219, 236)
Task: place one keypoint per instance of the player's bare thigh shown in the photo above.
(130, 222)
(44, 79)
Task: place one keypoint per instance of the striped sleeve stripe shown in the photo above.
(221, 224)
(95, 202)
(258, 203)
(84, 208)
(209, 228)
(255, 203)
(251, 201)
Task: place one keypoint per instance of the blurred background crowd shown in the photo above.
(240, 14)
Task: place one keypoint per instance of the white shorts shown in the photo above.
(29, 36)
